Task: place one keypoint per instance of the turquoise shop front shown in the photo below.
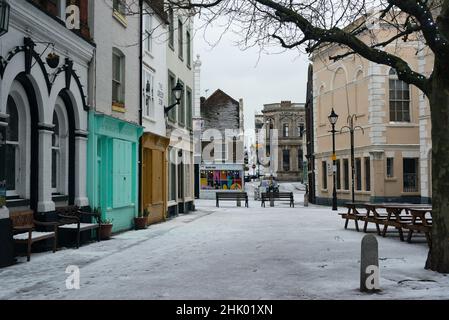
(112, 169)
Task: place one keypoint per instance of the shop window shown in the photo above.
(55, 154)
(367, 174)
(346, 173)
(324, 175)
(410, 177)
(221, 180)
(338, 177)
(358, 174)
(390, 167)
(172, 173)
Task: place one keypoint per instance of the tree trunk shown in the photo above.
(438, 259)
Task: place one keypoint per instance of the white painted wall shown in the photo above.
(156, 62)
(108, 32)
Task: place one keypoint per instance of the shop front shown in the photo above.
(154, 176)
(113, 169)
(220, 178)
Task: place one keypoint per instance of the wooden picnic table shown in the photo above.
(420, 223)
(353, 213)
(396, 219)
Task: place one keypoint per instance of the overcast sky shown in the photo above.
(273, 78)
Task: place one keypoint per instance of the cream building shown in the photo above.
(393, 151)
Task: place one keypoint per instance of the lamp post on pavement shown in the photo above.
(333, 118)
(352, 129)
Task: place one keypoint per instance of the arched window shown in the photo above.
(285, 130)
(12, 148)
(399, 98)
(55, 154)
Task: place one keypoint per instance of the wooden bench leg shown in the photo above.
(29, 251)
(401, 234)
(356, 225)
(55, 243)
(98, 234)
(365, 227)
(384, 232)
(410, 234)
(78, 239)
(378, 229)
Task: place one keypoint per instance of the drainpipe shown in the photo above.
(140, 101)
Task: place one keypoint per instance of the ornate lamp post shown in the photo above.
(177, 91)
(352, 129)
(333, 118)
(4, 17)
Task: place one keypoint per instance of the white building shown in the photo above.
(179, 120)
(44, 109)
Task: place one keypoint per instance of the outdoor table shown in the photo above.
(420, 223)
(395, 219)
(354, 214)
(372, 215)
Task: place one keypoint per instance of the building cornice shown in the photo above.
(31, 21)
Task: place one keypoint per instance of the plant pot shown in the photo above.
(105, 231)
(140, 223)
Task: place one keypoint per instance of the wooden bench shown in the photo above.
(24, 228)
(231, 196)
(71, 219)
(278, 196)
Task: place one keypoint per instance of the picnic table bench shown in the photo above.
(411, 217)
(420, 223)
(278, 196)
(353, 214)
(232, 196)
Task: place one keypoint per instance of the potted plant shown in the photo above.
(52, 60)
(105, 228)
(141, 221)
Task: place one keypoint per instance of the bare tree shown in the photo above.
(311, 24)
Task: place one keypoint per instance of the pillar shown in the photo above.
(81, 199)
(45, 202)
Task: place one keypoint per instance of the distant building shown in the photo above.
(222, 162)
(289, 120)
(393, 154)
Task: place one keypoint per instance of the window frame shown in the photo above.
(180, 40)
(398, 88)
(120, 82)
(149, 110)
(148, 33)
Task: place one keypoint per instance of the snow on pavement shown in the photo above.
(230, 253)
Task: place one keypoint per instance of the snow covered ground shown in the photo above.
(230, 253)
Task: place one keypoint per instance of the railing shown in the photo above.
(411, 182)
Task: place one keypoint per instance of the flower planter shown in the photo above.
(140, 223)
(105, 231)
(53, 60)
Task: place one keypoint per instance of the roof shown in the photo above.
(218, 97)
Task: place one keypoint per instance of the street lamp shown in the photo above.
(352, 129)
(333, 118)
(4, 17)
(177, 91)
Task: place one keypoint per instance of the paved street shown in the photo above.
(229, 253)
